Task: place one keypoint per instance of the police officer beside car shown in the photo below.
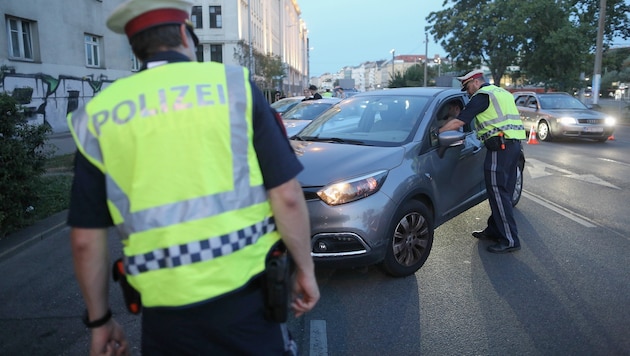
(500, 128)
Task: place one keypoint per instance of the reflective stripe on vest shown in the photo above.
(501, 115)
(198, 251)
(243, 213)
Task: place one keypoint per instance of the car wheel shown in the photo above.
(410, 240)
(518, 188)
(543, 131)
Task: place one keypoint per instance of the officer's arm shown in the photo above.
(453, 124)
(291, 217)
(90, 255)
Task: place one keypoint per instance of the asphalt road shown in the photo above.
(565, 293)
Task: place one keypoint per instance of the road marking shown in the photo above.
(560, 210)
(613, 161)
(538, 169)
(318, 339)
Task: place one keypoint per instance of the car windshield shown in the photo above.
(306, 110)
(283, 105)
(551, 102)
(380, 120)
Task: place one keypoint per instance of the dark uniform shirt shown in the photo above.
(278, 163)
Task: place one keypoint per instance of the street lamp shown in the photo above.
(438, 60)
(393, 52)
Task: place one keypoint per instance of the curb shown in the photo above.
(18, 241)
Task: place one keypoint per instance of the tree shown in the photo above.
(267, 68)
(551, 40)
(554, 52)
(21, 164)
(480, 31)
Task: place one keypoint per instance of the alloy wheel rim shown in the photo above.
(410, 239)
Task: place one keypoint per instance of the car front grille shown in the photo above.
(590, 121)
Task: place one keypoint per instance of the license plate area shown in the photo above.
(593, 129)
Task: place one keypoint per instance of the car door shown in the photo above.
(528, 109)
(457, 176)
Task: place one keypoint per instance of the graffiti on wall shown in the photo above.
(48, 99)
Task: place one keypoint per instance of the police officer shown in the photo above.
(188, 162)
(500, 128)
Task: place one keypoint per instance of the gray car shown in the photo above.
(378, 179)
(560, 115)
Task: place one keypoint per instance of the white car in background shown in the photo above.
(304, 112)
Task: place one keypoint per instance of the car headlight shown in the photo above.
(567, 120)
(610, 121)
(353, 189)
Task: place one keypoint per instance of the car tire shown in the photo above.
(518, 188)
(543, 132)
(410, 239)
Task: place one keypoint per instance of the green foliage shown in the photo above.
(22, 159)
(413, 77)
(481, 31)
(267, 68)
(551, 40)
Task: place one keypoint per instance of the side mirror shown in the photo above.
(448, 139)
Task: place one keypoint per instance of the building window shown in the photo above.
(216, 53)
(135, 63)
(197, 17)
(215, 17)
(199, 53)
(20, 38)
(92, 51)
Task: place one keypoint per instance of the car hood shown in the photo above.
(576, 113)
(326, 162)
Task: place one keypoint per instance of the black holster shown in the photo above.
(495, 143)
(277, 284)
(130, 294)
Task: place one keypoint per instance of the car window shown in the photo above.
(283, 105)
(306, 111)
(532, 102)
(560, 101)
(377, 120)
(521, 100)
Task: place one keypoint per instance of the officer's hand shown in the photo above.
(305, 292)
(109, 339)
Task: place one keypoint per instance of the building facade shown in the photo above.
(54, 58)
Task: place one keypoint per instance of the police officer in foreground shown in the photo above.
(500, 128)
(188, 162)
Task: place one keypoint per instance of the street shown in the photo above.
(565, 292)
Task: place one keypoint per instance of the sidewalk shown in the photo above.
(22, 239)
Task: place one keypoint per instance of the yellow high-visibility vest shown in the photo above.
(501, 115)
(184, 186)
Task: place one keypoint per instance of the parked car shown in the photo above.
(282, 105)
(304, 112)
(560, 115)
(378, 178)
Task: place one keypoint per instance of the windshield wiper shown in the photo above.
(333, 139)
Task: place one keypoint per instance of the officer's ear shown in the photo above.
(183, 32)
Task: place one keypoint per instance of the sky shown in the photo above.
(350, 32)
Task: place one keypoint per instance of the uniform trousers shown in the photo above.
(500, 169)
(231, 325)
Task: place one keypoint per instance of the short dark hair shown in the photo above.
(148, 42)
